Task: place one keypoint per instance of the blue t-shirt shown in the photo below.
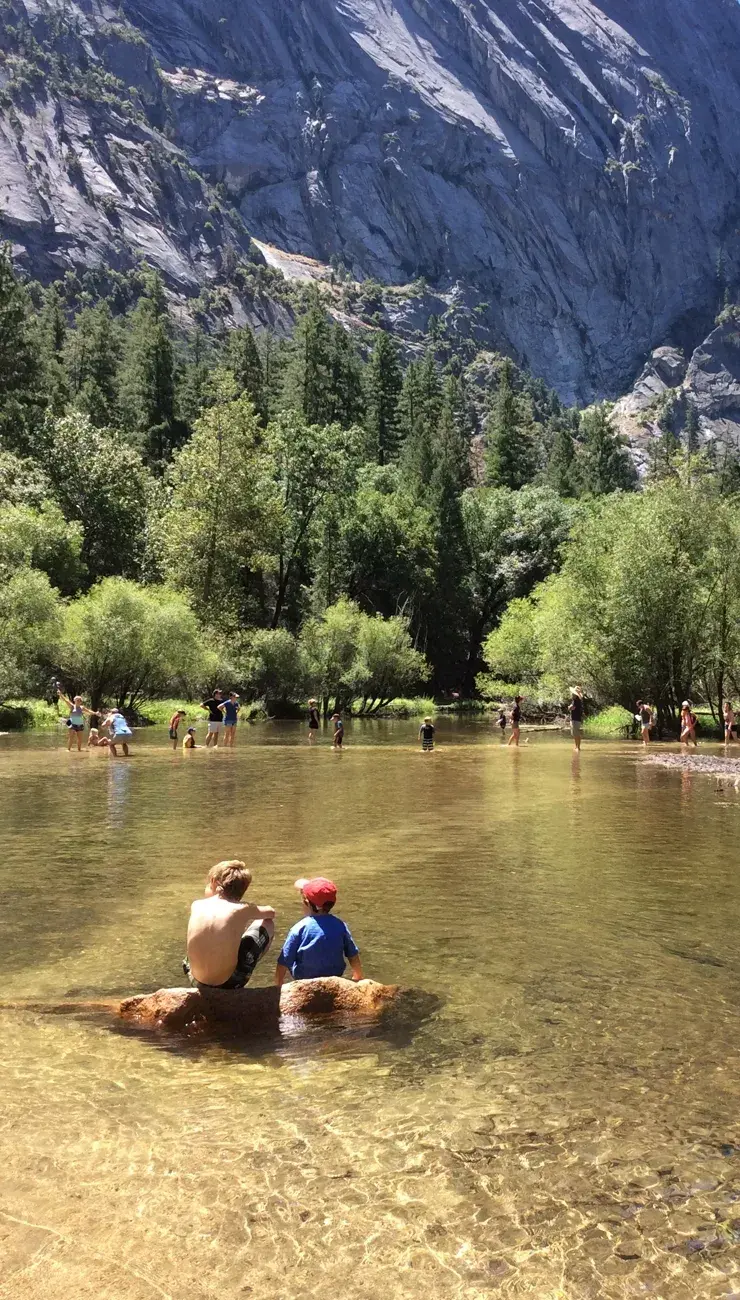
(230, 711)
(119, 725)
(318, 945)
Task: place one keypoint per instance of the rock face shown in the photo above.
(572, 166)
(254, 1010)
(709, 382)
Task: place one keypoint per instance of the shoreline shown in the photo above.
(703, 764)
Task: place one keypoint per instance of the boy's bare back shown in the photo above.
(215, 931)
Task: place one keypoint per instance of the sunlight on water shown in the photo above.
(565, 1123)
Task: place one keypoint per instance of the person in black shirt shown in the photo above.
(516, 719)
(215, 718)
(426, 735)
(575, 709)
(313, 720)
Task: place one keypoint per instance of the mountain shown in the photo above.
(568, 171)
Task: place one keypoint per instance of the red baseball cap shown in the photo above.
(318, 891)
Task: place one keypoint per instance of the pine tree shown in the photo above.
(246, 366)
(692, 428)
(307, 385)
(52, 333)
(562, 468)
(605, 465)
(147, 390)
(419, 410)
(509, 435)
(346, 386)
(383, 382)
(92, 357)
(21, 398)
(192, 388)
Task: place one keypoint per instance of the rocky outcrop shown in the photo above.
(569, 168)
(254, 1009)
(669, 386)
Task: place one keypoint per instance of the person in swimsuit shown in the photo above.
(338, 731)
(644, 716)
(426, 735)
(76, 719)
(189, 741)
(175, 721)
(516, 720)
(313, 720)
(575, 709)
(729, 716)
(120, 732)
(688, 725)
(226, 937)
(215, 718)
(230, 713)
(95, 740)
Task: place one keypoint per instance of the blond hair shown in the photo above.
(230, 879)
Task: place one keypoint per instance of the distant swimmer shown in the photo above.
(313, 720)
(515, 719)
(426, 735)
(226, 937)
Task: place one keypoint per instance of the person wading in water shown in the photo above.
(575, 709)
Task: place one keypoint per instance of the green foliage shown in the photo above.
(147, 391)
(246, 366)
(347, 653)
(604, 465)
(276, 669)
(41, 539)
(20, 373)
(123, 643)
(614, 721)
(30, 616)
(510, 435)
(383, 382)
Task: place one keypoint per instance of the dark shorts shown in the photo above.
(427, 745)
(251, 948)
(76, 726)
(173, 733)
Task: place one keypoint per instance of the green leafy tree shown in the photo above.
(42, 539)
(30, 615)
(220, 525)
(346, 380)
(562, 467)
(123, 644)
(604, 464)
(349, 655)
(22, 480)
(383, 382)
(52, 333)
(276, 670)
(100, 483)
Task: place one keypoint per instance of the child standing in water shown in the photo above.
(338, 731)
(313, 720)
(729, 716)
(644, 716)
(426, 735)
(175, 721)
(320, 944)
(502, 722)
(688, 725)
(516, 720)
(230, 710)
(575, 709)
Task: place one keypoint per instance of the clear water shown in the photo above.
(565, 1124)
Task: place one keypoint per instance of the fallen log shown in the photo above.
(253, 1009)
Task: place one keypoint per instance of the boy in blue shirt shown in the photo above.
(320, 944)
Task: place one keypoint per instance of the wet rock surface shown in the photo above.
(705, 763)
(574, 167)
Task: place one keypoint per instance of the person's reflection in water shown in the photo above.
(119, 775)
(686, 787)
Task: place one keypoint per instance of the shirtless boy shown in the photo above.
(227, 937)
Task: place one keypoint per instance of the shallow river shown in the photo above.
(563, 1122)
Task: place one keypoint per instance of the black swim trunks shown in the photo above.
(252, 947)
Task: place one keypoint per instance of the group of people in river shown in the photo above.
(223, 717)
(227, 937)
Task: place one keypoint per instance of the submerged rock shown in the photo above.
(254, 1009)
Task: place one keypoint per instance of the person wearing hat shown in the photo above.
(688, 725)
(320, 944)
(575, 709)
(189, 741)
(644, 717)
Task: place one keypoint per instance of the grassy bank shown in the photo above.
(27, 715)
(613, 722)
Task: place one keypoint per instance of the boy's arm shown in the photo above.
(281, 974)
(352, 953)
(356, 968)
(254, 913)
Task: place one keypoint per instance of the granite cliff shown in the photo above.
(568, 170)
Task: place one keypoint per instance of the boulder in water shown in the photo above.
(253, 1009)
